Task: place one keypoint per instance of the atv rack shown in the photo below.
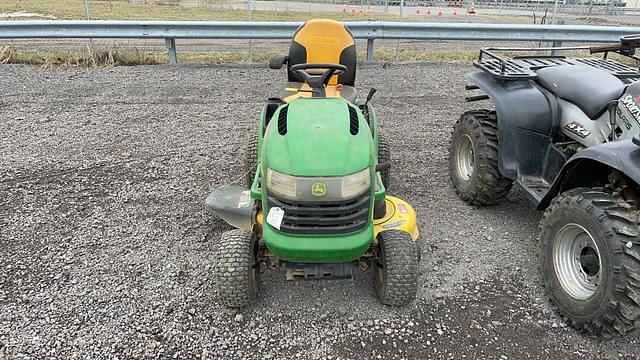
(524, 67)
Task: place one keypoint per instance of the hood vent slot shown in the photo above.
(353, 121)
(282, 120)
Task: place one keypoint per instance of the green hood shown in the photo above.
(318, 141)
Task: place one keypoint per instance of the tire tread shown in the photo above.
(400, 268)
(232, 268)
(622, 314)
(488, 186)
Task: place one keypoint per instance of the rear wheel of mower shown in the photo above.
(251, 159)
(473, 159)
(590, 260)
(396, 272)
(384, 156)
(237, 268)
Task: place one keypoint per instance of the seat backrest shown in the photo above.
(324, 41)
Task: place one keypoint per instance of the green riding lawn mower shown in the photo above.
(317, 168)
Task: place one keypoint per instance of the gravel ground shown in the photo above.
(107, 248)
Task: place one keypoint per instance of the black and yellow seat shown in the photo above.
(321, 41)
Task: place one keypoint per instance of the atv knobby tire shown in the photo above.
(604, 219)
(237, 268)
(384, 157)
(396, 271)
(473, 159)
(251, 159)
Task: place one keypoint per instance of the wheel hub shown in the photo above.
(465, 157)
(577, 261)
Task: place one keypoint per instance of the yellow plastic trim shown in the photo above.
(305, 91)
(400, 216)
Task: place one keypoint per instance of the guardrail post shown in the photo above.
(173, 52)
(557, 43)
(369, 49)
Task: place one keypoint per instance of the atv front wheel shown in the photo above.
(396, 271)
(590, 260)
(237, 268)
(473, 159)
(251, 159)
(384, 157)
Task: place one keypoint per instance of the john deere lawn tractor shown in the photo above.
(315, 202)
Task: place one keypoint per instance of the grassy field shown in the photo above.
(121, 10)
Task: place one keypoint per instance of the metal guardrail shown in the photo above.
(369, 30)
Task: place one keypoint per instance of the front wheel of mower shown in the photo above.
(396, 271)
(473, 159)
(237, 268)
(384, 157)
(590, 260)
(251, 159)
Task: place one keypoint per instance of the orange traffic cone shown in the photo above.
(455, 11)
(440, 12)
(344, 8)
(417, 11)
(368, 9)
(473, 8)
(428, 11)
(353, 10)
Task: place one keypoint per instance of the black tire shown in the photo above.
(384, 156)
(480, 183)
(237, 268)
(251, 159)
(396, 271)
(612, 305)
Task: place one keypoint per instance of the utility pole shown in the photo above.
(555, 10)
(86, 9)
(398, 41)
(250, 10)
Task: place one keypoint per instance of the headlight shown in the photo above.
(281, 184)
(331, 188)
(355, 184)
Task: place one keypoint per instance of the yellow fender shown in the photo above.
(400, 216)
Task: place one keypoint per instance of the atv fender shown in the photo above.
(525, 121)
(591, 167)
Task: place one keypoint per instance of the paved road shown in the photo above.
(107, 249)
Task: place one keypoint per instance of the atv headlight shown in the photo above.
(281, 184)
(355, 184)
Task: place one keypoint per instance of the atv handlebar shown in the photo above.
(604, 48)
(626, 47)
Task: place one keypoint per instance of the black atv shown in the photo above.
(567, 131)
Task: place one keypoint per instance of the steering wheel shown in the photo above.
(318, 82)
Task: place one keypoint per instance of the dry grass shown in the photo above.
(121, 10)
(89, 57)
(117, 56)
(95, 57)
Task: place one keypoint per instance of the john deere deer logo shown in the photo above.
(318, 189)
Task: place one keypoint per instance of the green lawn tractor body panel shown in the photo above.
(318, 142)
(318, 248)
